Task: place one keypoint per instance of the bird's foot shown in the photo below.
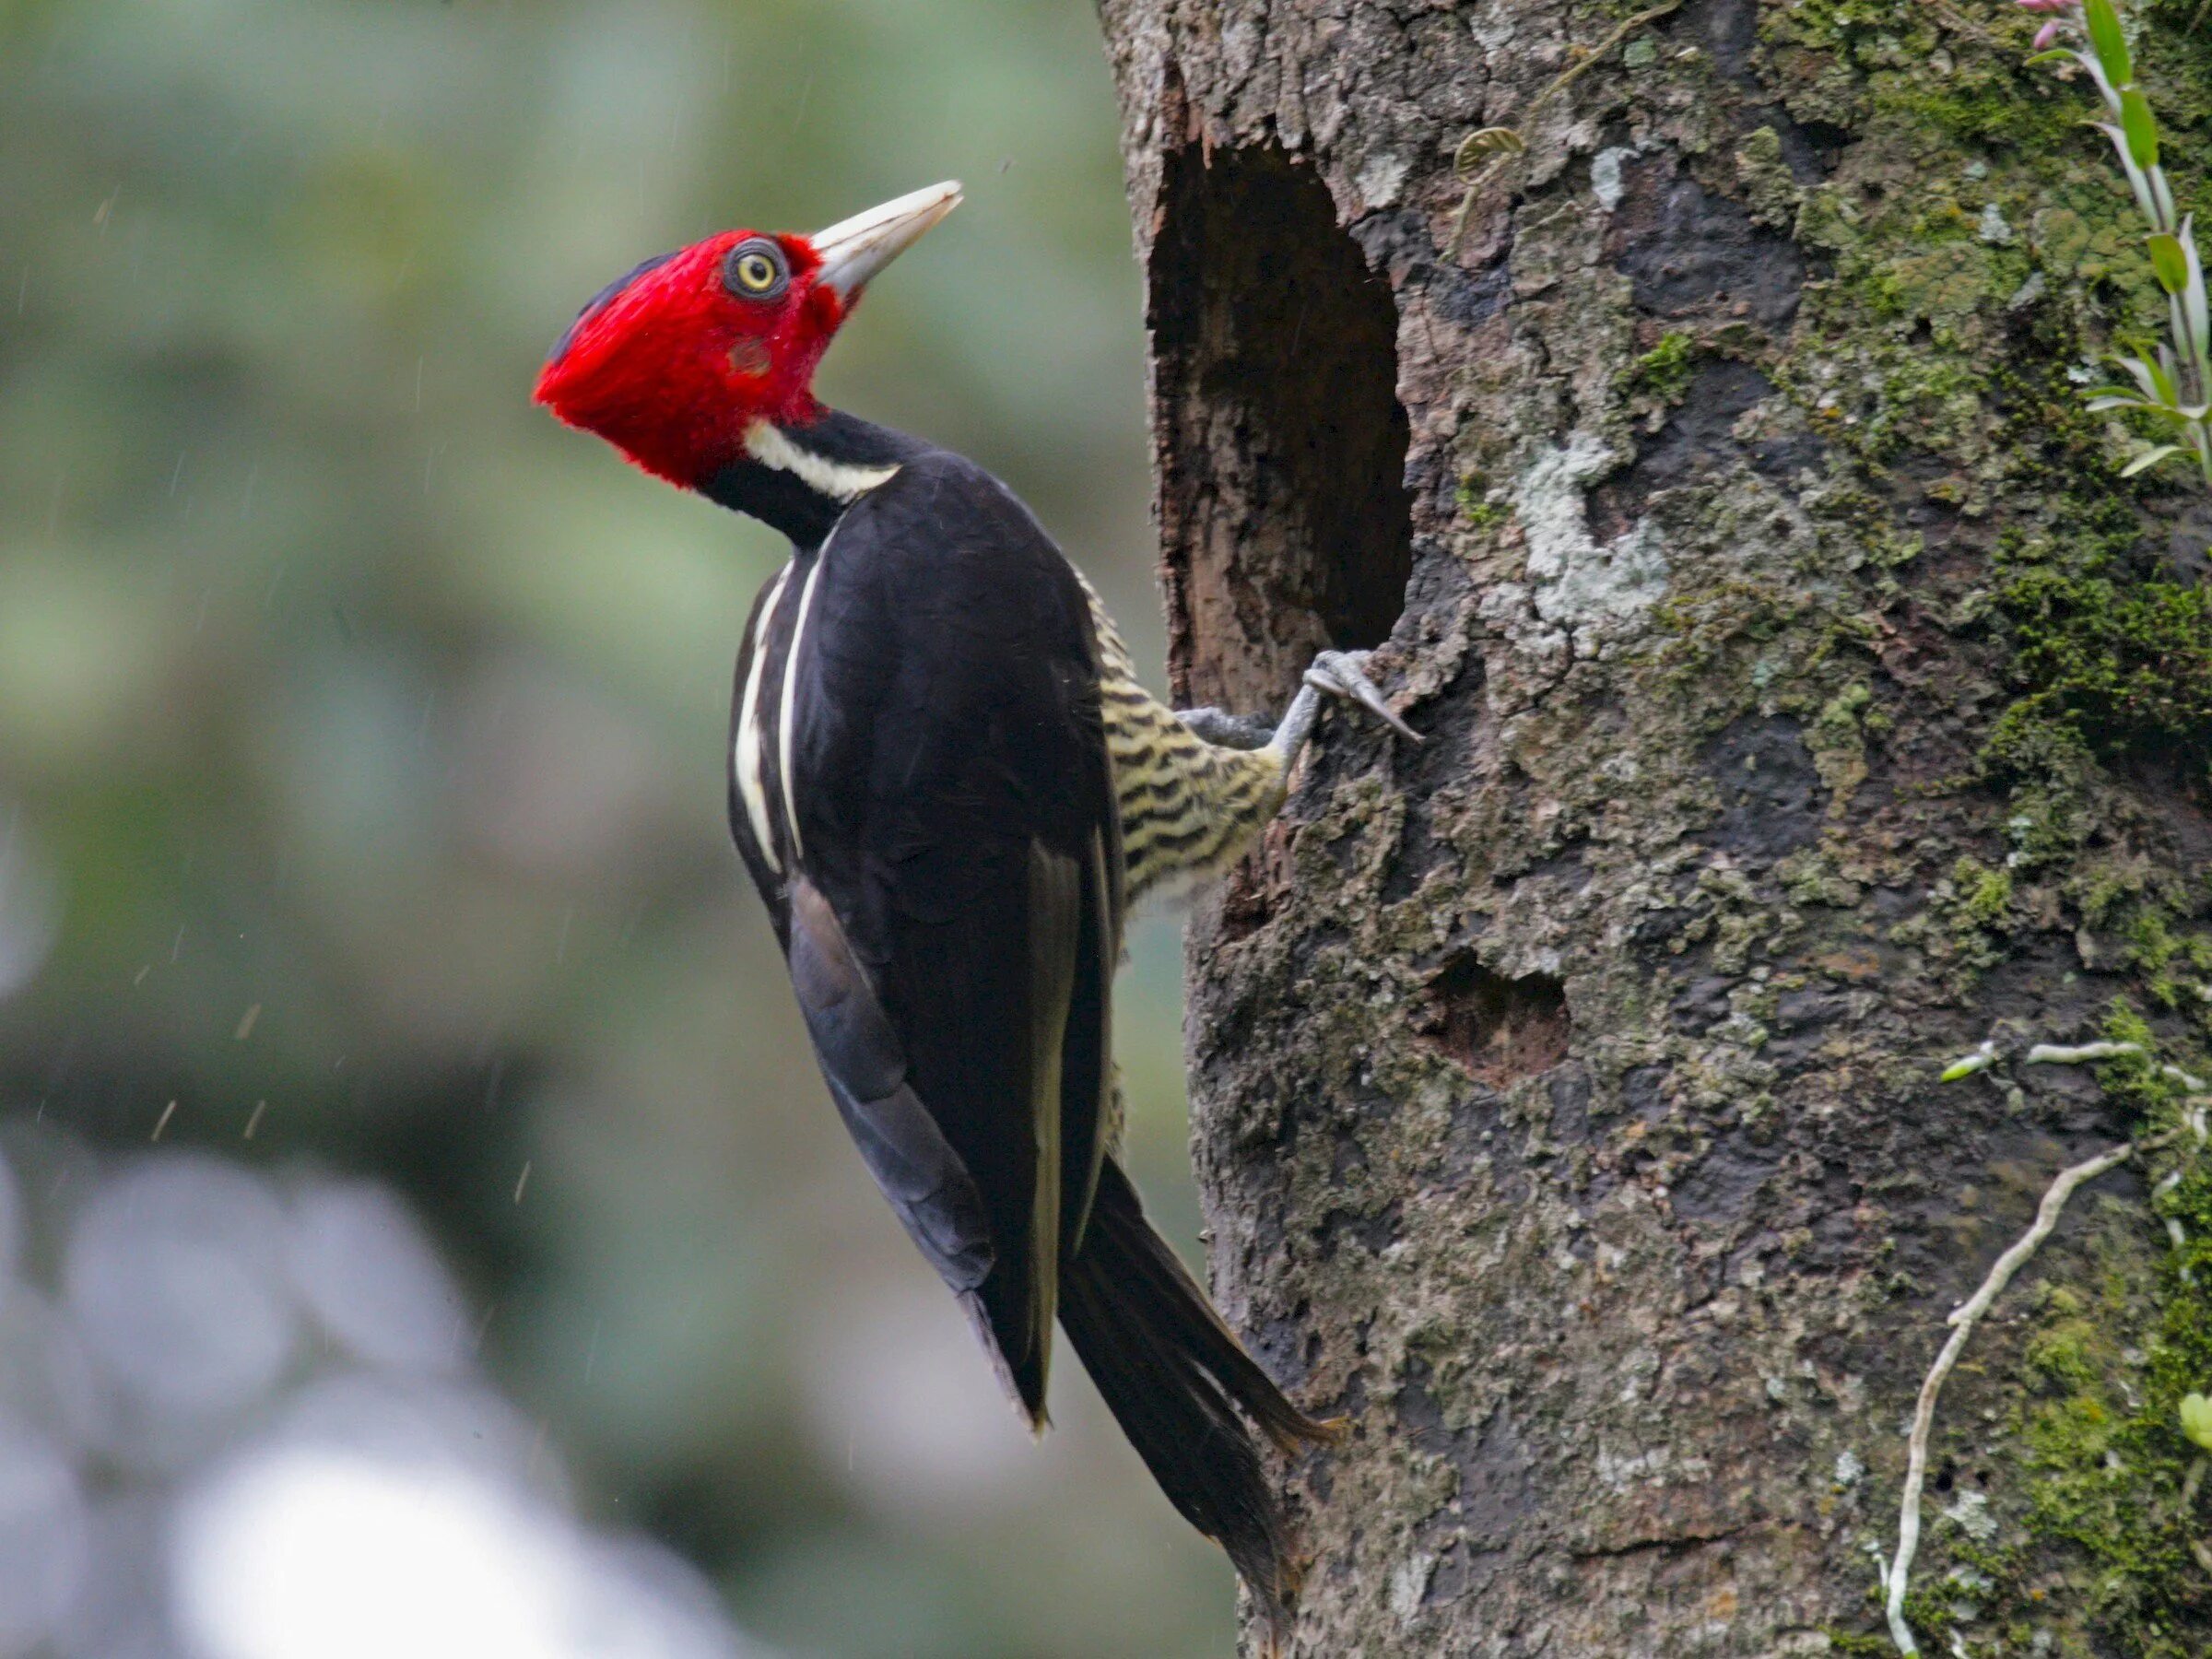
(1224, 730)
(1343, 674)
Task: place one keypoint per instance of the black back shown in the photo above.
(942, 859)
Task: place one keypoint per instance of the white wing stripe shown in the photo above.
(791, 680)
(751, 786)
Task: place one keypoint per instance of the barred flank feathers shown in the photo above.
(1175, 1377)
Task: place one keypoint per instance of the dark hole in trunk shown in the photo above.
(1500, 1030)
(1281, 444)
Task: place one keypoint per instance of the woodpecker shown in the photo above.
(949, 787)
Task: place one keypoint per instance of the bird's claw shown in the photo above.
(1343, 674)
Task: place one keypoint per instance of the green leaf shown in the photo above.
(2108, 40)
(2196, 306)
(2150, 458)
(2196, 1420)
(2141, 127)
(2161, 380)
(2139, 181)
(2175, 415)
(2169, 260)
(2104, 85)
(2144, 375)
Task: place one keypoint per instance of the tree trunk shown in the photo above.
(1807, 701)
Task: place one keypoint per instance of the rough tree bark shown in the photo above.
(1808, 701)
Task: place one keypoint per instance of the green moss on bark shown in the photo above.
(2102, 1426)
(1913, 355)
(2125, 664)
(1662, 374)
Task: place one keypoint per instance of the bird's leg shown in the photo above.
(1197, 786)
(1335, 674)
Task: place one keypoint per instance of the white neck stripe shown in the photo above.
(840, 480)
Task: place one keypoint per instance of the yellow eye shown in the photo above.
(754, 269)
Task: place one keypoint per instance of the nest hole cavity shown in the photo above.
(1285, 515)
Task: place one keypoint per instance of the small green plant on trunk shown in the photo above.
(2172, 382)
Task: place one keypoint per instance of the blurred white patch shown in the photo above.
(30, 903)
(121, 1610)
(344, 1556)
(363, 1493)
(47, 1384)
(174, 1277)
(900, 1396)
(44, 1546)
(369, 1276)
(456, 1425)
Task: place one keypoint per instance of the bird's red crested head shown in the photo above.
(676, 362)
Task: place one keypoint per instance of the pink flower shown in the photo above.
(2058, 12)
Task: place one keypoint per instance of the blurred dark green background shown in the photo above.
(361, 731)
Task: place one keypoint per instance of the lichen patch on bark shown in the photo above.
(1591, 592)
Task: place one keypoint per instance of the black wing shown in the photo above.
(944, 858)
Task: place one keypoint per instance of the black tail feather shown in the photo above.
(1175, 1377)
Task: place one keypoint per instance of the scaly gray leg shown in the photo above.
(1224, 730)
(1335, 673)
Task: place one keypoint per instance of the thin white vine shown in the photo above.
(1962, 1321)
(1896, 1575)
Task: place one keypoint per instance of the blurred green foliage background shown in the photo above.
(361, 731)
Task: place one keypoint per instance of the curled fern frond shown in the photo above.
(1479, 145)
